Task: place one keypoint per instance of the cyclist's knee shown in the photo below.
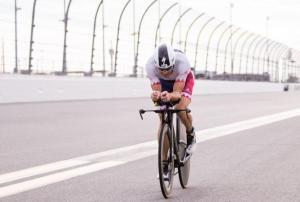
(183, 104)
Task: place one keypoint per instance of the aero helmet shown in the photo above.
(164, 57)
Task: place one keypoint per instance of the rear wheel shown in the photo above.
(165, 161)
(183, 171)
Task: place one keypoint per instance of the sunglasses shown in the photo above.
(166, 69)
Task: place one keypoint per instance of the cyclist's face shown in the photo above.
(165, 72)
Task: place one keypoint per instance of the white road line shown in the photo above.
(119, 156)
(65, 175)
(78, 161)
(228, 129)
(38, 170)
(51, 179)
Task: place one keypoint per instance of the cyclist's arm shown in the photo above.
(156, 87)
(179, 86)
(177, 89)
(154, 80)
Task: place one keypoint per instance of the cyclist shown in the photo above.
(171, 79)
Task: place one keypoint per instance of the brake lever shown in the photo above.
(142, 112)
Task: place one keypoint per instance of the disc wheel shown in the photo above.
(183, 171)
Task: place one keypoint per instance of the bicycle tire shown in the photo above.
(165, 185)
(183, 171)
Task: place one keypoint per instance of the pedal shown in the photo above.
(176, 165)
(187, 157)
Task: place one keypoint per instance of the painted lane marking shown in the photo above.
(38, 170)
(228, 129)
(78, 161)
(69, 174)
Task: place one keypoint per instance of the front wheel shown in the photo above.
(165, 161)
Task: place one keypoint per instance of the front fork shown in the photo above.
(173, 151)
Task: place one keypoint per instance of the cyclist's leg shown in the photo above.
(186, 97)
(184, 117)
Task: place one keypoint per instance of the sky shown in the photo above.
(249, 15)
(283, 15)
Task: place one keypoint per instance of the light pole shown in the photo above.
(133, 28)
(31, 38)
(267, 34)
(103, 39)
(66, 19)
(159, 14)
(231, 19)
(93, 40)
(111, 53)
(16, 37)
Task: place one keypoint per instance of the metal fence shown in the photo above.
(115, 38)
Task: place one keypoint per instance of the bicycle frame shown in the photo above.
(167, 118)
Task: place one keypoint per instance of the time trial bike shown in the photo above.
(171, 147)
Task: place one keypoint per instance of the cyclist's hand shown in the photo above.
(165, 96)
(155, 96)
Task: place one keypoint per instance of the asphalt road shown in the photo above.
(257, 164)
